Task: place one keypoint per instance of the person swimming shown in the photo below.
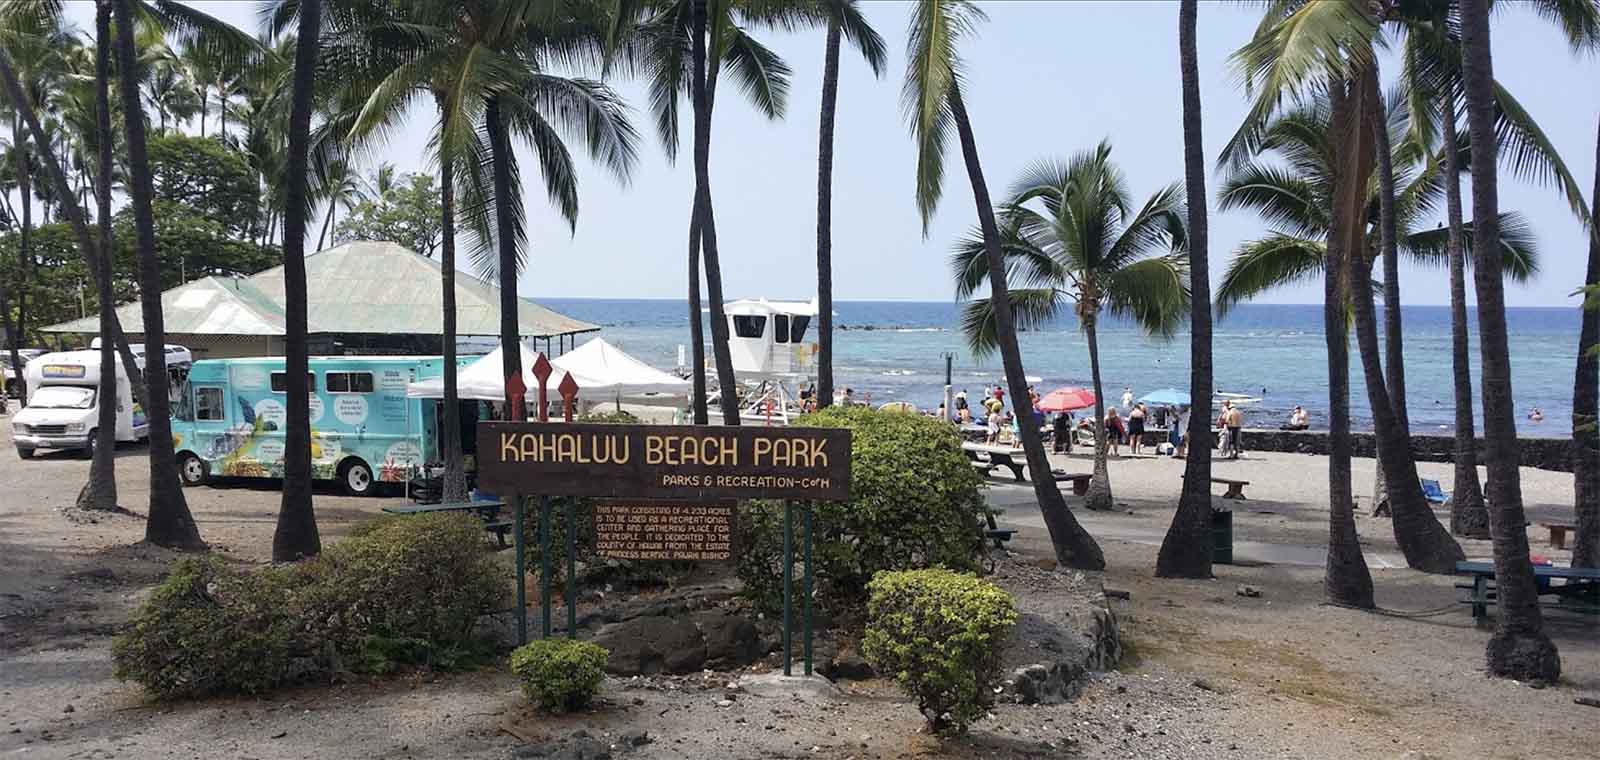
(1536, 415)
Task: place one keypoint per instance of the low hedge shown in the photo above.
(915, 502)
(560, 674)
(397, 591)
(940, 634)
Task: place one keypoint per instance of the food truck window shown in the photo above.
(182, 404)
(280, 382)
(780, 328)
(748, 325)
(349, 382)
(208, 404)
(797, 328)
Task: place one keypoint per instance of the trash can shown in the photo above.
(1221, 537)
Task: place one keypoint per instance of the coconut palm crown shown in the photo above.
(1291, 194)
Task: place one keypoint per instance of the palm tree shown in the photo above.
(1293, 198)
(1345, 573)
(1071, 232)
(1586, 408)
(296, 535)
(337, 187)
(660, 38)
(1519, 648)
(101, 491)
(1185, 551)
(931, 99)
(169, 523)
(843, 18)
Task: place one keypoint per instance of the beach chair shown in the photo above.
(1432, 491)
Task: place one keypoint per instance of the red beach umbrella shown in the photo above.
(1066, 399)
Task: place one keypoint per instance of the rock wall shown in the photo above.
(1543, 453)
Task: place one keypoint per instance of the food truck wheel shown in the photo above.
(356, 477)
(192, 470)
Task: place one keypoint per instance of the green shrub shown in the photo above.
(560, 674)
(940, 634)
(610, 418)
(914, 502)
(396, 591)
(416, 586)
(208, 629)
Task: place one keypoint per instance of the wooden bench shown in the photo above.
(995, 455)
(1079, 480)
(1579, 590)
(488, 511)
(1235, 487)
(1558, 532)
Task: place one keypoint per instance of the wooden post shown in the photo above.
(569, 394)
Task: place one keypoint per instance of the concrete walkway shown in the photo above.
(1019, 509)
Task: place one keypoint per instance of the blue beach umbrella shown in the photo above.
(1167, 397)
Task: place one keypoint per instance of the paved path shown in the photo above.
(1018, 508)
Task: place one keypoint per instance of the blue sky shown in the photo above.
(1045, 79)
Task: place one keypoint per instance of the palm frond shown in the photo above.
(1292, 57)
(1160, 224)
(759, 72)
(1026, 265)
(1282, 198)
(932, 76)
(1579, 20)
(555, 165)
(1529, 153)
(1030, 308)
(1519, 249)
(585, 111)
(1154, 292)
(853, 24)
(1270, 262)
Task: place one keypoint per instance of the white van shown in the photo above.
(63, 405)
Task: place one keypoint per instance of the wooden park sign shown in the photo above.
(665, 461)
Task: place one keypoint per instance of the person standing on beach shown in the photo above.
(1136, 428)
(1113, 423)
(1235, 432)
(1127, 397)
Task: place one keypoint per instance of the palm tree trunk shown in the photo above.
(830, 100)
(1519, 648)
(455, 479)
(1345, 575)
(1073, 545)
(24, 244)
(205, 96)
(327, 221)
(1186, 549)
(510, 327)
(101, 491)
(1585, 400)
(169, 523)
(296, 536)
(708, 225)
(1394, 358)
(697, 332)
(1468, 515)
(1099, 497)
(1427, 546)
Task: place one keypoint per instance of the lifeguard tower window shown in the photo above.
(208, 404)
(349, 382)
(797, 328)
(280, 383)
(749, 325)
(780, 328)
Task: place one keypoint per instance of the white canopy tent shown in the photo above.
(600, 369)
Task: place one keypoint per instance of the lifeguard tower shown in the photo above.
(767, 341)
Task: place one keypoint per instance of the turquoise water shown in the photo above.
(891, 351)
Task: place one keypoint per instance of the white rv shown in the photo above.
(64, 402)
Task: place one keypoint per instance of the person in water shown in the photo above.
(1536, 415)
(1298, 420)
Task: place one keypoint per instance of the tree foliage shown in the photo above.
(408, 213)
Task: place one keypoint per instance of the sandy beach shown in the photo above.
(1208, 673)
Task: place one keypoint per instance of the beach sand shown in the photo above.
(1209, 674)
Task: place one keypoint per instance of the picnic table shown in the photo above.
(1558, 532)
(1579, 588)
(996, 455)
(1079, 480)
(487, 510)
(1235, 487)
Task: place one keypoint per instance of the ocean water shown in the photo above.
(892, 351)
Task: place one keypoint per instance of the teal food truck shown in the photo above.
(228, 420)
